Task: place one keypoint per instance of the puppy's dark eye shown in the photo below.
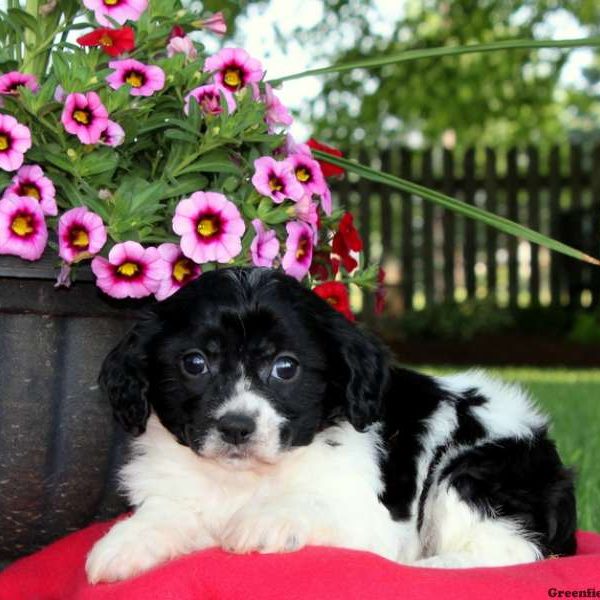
(194, 363)
(285, 368)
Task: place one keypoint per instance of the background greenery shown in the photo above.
(498, 98)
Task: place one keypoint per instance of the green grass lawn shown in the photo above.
(572, 399)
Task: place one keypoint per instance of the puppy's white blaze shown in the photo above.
(265, 442)
(456, 535)
(508, 410)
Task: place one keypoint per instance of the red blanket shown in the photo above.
(313, 573)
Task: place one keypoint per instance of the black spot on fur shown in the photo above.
(469, 428)
(522, 479)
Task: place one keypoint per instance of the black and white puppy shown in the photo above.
(265, 421)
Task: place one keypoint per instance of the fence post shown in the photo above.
(554, 185)
(595, 185)
(428, 255)
(470, 241)
(407, 254)
(512, 191)
(364, 215)
(386, 221)
(448, 224)
(533, 204)
(491, 234)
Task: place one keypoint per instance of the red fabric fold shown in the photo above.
(57, 573)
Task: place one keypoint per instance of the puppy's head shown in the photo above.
(244, 364)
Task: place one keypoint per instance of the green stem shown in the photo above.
(443, 51)
(458, 206)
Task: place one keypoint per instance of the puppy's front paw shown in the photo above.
(128, 549)
(265, 530)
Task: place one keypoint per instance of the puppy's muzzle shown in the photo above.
(236, 428)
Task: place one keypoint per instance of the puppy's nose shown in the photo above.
(236, 428)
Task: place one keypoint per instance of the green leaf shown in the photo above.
(442, 51)
(99, 161)
(24, 19)
(216, 161)
(118, 99)
(53, 155)
(185, 185)
(182, 136)
(458, 206)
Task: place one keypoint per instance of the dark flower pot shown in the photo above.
(59, 447)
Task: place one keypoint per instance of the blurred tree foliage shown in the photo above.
(496, 98)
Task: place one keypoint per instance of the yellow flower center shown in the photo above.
(106, 40)
(3, 142)
(128, 269)
(80, 238)
(275, 184)
(232, 77)
(182, 269)
(301, 251)
(135, 79)
(22, 225)
(111, 2)
(207, 226)
(82, 116)
(30, 190)
(302, 174)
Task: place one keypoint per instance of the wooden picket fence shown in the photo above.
(432, 255)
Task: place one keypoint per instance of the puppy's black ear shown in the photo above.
(360, 371)
(124, 380)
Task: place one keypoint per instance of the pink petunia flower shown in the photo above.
(81, 233)
(131, 271)
(85, 116)
(211, 227)
(326, 202)
(291, 146)
(13, 80)
(276, 180)
(182, 45)
(59, 94)
(209, 99)
(15, 140)
(119, 10)
(299, 249)
(181, 270)
(276, 113)
(31, 181)
(234, 68)
(308, 173)
(143, 79)
(113, 135)
(215, 23)
(23, 230)
(265, 246)
(306, 210)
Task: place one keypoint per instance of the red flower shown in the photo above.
(319, 267)
(177, 31)
(346, 239)
(112, 41)
(336, 294)
(380, 292)
(328, 169)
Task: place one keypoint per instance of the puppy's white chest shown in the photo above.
(333, 484)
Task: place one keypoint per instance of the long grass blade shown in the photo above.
(407, 55)
(458, 206)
